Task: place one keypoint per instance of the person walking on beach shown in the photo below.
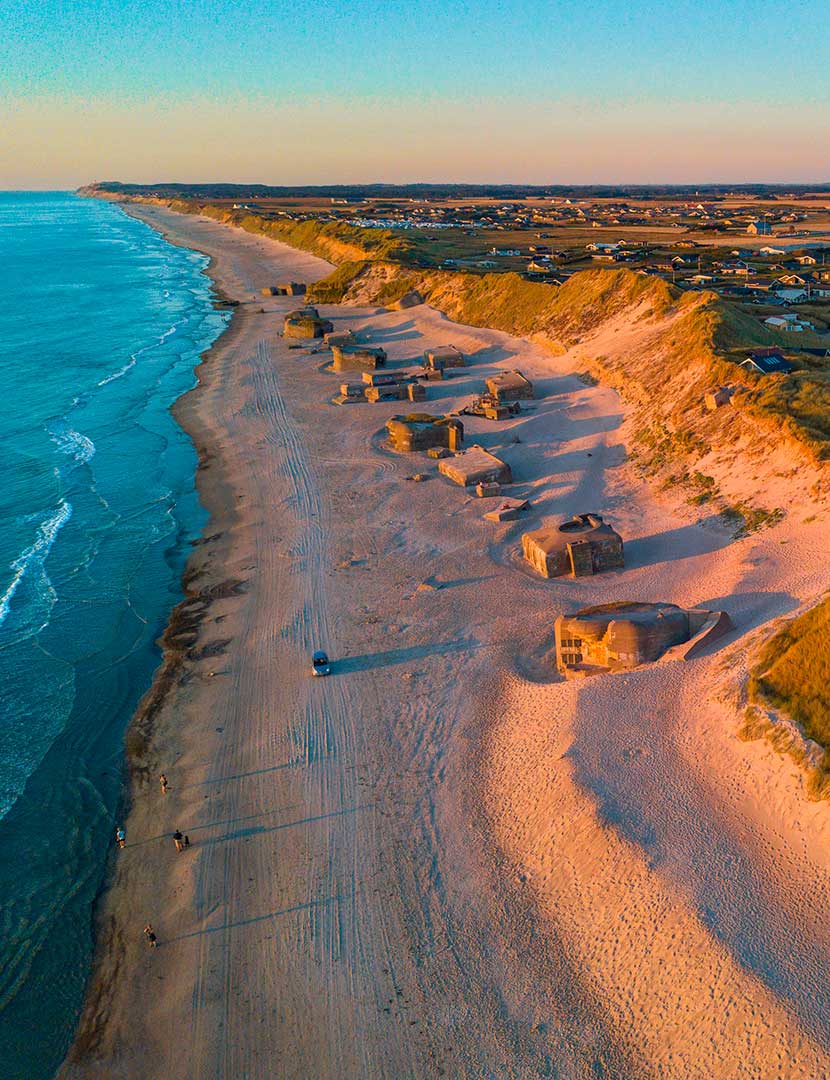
(150, 934)
(120, 837)
(178, 840)
(186, 841)
(163, 782)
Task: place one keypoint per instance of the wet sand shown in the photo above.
(443, 860)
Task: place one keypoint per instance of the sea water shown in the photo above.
(101, 324)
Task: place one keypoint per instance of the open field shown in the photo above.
(443, 860)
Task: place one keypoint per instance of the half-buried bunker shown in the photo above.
(623, 635)
(423, 431)
(475, 466)
(582, 546)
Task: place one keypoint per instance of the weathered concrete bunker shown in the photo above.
(475, 466)
(445, 356)
(423, 431)
(510, 386)
(306, 323)
(340, 337)
(618, 636)
(357, 357)
(582, 546)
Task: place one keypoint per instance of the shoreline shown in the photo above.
(216, 497)
(344, 891)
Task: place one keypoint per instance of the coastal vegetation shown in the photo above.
(682, 342)
(792, 676)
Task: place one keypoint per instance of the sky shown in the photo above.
(602, 91)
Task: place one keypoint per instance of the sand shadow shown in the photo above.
(258, 918)
(748, 611)
(263, 830)
(676, 544)
(372, 661)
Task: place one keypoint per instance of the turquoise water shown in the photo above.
(101, 324)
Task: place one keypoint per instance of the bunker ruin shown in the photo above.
(510, 386)
(422, 431)
(475, 466)
(445, 356)
(582, 546)
(623, 635)
(306, 323)
(357, 357)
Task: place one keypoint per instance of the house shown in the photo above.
(510, 386)
(475, 466)
(771, 251)
(423, 431)
(582, 546)
(789, 323)
(505, 252)
(806, 260)
(791, 296)
(623, 635)
(759, 228)
(767, 362)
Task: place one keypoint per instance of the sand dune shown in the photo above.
(443, 860)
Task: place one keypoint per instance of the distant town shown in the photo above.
(766, 249)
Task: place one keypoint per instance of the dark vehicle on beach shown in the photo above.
(320, 664)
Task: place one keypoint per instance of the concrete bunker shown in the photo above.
(445, 356)
(581, 546)
(340, 337)
(306, 323)
(423, 431)
(475, 466)
(623, 635)
(357, 357)
(510, 386)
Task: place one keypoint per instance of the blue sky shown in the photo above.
(553, 64)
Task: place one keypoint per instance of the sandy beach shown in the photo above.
(444, 859)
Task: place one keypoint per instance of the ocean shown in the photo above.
(101, 325)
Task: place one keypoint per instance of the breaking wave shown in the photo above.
(72, 443)
(134, 357)
(35, 555)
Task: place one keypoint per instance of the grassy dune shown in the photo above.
(792, 675)
(684, 342)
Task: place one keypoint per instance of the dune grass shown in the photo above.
(699, 346)
(792, 676)
(793, 673)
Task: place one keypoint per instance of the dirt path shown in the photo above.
(438, 861)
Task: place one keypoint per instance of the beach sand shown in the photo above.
(444, 860)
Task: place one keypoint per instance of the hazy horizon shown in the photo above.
(565, 93)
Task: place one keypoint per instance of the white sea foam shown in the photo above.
(73, 443)
(134, 357)
(35, 555)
